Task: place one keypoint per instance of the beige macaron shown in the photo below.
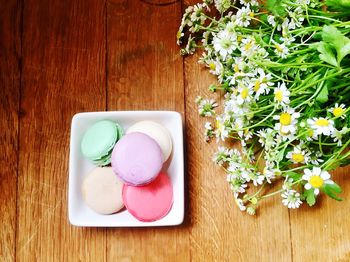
(156, 131)
(102, 191)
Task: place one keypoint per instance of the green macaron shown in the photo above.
(99, 140)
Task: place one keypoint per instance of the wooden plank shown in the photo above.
(322, 232)
(145, 71)
(63, 73)
(10, 52)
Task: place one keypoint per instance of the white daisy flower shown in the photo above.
(239, 202)
(221, 131)
(298, 155)
(316, 158)
(215, 67)
(243, 16)
(222, 5)
(271, 173)
(322, 125)
(287, 121)
(281, 94)
(245, 94)
(316, 179)
(224, 43)
(206, 107)
(338, 110)
(249, 2)
(291, 198)
(262, 84)
(271, 20)
(281, 50)
(208, 131)
(338, 135)
(248, 47)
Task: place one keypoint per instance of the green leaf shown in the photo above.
(276, 7)
(331, 190)
(345, 162)
(310, 197)
(326, 54)
(339, 5)
(337, 40)
(294, 175)
(322, 96)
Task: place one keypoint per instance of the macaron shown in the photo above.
(99, 140)
(150, 202)
(158, 132)
(137, 159)
(102, 191)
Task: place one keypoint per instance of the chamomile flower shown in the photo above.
(338, 110)
(281, 94)
(222, 5)
(261, 85)
(291, 198)
(322, 125)
(338, 135)
(271, 20)
(215, 66)
(243, 16)
(316, 178)
(224, 43)
(206, 107)
(298, 156)
(245, 94)
(248, 47)
(281, 50)
(221, 131)
(239, 202)
(287, 121)
(208, 131)
(249, 2)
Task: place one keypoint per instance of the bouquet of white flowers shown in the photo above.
(283, 67)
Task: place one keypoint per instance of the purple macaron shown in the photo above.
(137, 159)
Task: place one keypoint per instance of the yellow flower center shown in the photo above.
(297, 157)
(235, 68)
(218, 125)
(178, 35)
(310, 132)
(239, 38)
(338, 111)
(212, 66)
(251, 14)
(244, 93)
(279, 95)
(279, 48)
(316, 181)
(322, 122)
(247, 46)
(257, 86)
(285, 119)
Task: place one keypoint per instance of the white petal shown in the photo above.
(316, 191)
(307, 186)
(325, 175)
(308, 172)
(316, 171)
(330, 182)
(305, 177)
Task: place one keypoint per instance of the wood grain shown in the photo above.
(145, 72)
(63, 73)
(10, 52)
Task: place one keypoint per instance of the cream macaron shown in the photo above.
(156, 131)
(102, 191)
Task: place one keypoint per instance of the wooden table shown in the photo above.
(60, 57)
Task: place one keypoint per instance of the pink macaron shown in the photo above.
(150, 202)
(137, 159)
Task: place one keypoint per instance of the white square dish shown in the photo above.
(79, 214)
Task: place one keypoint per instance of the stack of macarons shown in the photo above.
(135, 178)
